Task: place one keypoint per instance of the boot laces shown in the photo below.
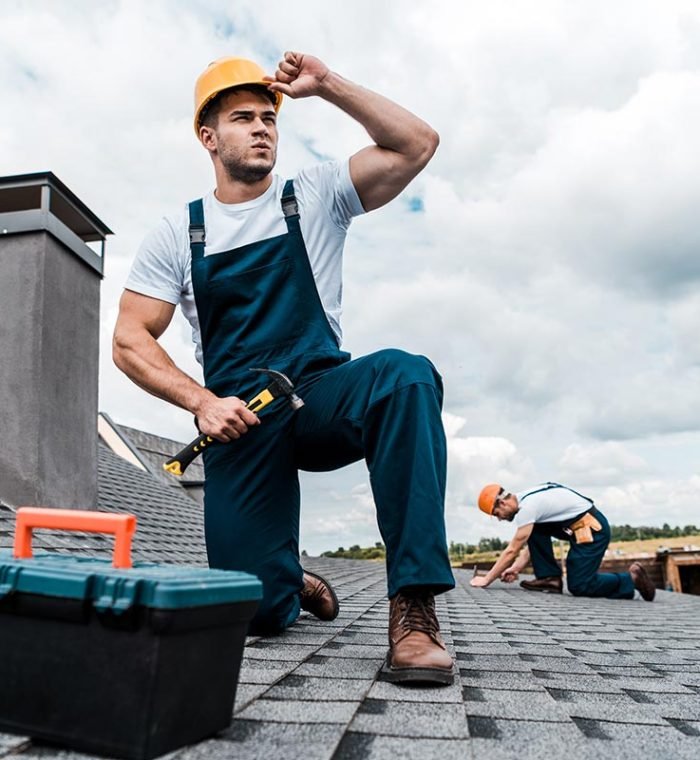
(417, 613)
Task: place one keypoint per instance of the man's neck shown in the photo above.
(232, 191)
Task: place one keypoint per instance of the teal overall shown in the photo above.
(258, 306)
(583, 560)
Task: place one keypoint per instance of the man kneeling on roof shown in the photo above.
(548, 511)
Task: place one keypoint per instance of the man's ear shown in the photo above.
(207, 137)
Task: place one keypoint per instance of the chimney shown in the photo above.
(49, 343)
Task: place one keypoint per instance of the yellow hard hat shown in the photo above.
(222, 74)
(487, 497)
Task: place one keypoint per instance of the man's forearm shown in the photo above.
(146, 363)
(389, 125)
(523, 558)
(503, 562)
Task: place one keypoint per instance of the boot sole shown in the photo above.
(425, 676)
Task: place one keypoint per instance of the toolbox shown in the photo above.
(127, 660)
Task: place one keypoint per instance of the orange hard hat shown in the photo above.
(222, 74)
(487, 497)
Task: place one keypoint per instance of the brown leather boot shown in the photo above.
(318, 597)
(550, 585)
(416, 650)
(642, 582)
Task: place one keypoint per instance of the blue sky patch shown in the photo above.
(415, 204)
(310, 145)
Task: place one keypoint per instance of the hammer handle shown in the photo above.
(183, 459)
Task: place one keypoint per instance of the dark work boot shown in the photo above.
(642, 582)
(318, 597)
(550, 585)
(417, 653)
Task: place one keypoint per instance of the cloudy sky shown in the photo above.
(546, 260)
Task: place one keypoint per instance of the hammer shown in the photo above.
(280, 387)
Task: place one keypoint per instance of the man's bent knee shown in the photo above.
(404, 368)
(581, 588)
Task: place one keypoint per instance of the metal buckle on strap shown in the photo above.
(290, 207)
(197, 235)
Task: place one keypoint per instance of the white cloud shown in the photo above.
(653, 502)
(656, 400)
(474, 462)
(684, 318)
(599, 464)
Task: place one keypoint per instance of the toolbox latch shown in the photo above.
(116, 594)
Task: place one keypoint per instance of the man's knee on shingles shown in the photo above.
(580, 588)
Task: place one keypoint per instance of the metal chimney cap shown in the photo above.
(41, 202)
(72, 211)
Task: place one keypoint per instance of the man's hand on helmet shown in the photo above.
(298, 75)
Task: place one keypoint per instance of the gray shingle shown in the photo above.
(388, 692)
(356, 746)
(299, 687)
(411, 719)
(10, 741)
(300, 711)
(258, 740)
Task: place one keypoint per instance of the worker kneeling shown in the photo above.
(256, 267)
(548, 511)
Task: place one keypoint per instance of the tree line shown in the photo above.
(641, 532)
(485, 545)
(378, 551)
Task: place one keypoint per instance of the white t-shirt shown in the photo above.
(327, 202)
(550, 505)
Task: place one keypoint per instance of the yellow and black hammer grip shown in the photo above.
(183, 459)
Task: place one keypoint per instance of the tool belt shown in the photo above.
(582, 529)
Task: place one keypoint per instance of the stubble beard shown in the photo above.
(246, 171)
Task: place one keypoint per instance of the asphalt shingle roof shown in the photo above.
(170, 525)
(539, 675)
(154, 450)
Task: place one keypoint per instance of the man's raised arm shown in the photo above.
(403, 143)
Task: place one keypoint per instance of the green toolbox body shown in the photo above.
(130, 662)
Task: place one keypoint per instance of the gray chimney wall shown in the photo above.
(49, 344)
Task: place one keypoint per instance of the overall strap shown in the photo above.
(290, 207)
(559, 485)
(549, 485)
(196, 229)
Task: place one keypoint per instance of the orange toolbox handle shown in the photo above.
(121, 526)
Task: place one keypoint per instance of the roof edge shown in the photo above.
(118, 443)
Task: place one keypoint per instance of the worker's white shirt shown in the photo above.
(327, 202)
(552, 505)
